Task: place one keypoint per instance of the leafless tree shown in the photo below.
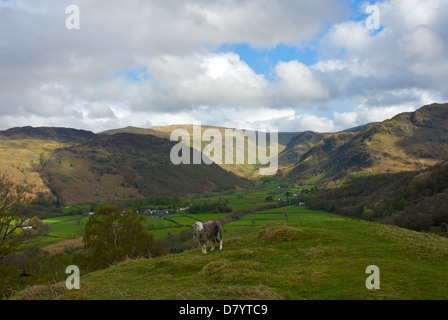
(17, 224)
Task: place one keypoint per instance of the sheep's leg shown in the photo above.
(213, 245)
(204, 248)
(219, 239)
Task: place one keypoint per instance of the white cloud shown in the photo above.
(350, 35)
(297, 82)
(423, 43)
(99, 110)
(378, 114)
(206, 79)
(157, 63)
(391, 68)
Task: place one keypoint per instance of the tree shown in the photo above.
(401, 204)
(364, 211)
(17, 223)
(113, 234)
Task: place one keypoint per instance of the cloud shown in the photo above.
(99, 110)
(223, 80)
(400, 67)
(350, 35)
(297, 82)
(205, 79)
(173, 41)
(157, 62)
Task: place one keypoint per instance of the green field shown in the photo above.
(64, 228)
(72, 226)
(287, 214)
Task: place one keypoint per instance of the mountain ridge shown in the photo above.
(49, 133)
(408, 141)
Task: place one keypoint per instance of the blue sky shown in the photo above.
(135, 75)
(263, 59)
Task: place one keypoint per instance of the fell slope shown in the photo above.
(126, 166)
(325, 260)
(246, 169)
(49, 133)
(79, 166)
(408, 141)
(25, 152)
(416, 200)
(298, 145)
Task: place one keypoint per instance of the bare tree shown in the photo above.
(114, 233)
(17, 224)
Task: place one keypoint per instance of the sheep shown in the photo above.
(206, 232)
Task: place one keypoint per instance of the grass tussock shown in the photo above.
(260, 292)
(42, 291)
(214, 267)
(280, 232)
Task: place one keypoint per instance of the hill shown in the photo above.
(297, 146)
(127, 166)
(26, 151)
(49, 133)
(324, 260)
(359, 128)
(408, 141)
(79, 166)
(245, 170)
(136, 130)
(416, 200)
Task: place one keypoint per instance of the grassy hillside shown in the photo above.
(49, 133)
(24, 158)
(136, 130)
(127, 166)
(246, 170)
(408, 141)
(79, 166)
(298, 146)
(26, 151)
(320, 260)
(416, 200)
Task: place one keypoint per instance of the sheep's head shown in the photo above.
(198, 227)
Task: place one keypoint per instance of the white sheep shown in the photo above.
(206, 232)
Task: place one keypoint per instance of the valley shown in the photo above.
(77, 166)
(372, 195)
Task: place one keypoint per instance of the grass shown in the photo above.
(290, 261)
(77, 207)
(64, 228)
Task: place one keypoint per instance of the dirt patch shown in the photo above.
(63, 245)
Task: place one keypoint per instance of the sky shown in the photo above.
(288, 65)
